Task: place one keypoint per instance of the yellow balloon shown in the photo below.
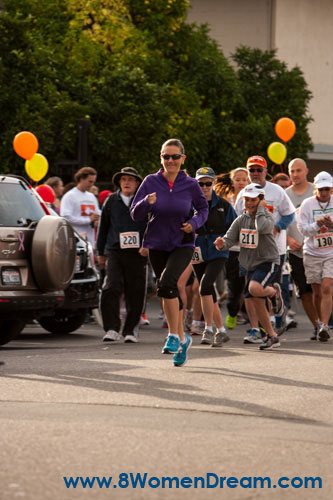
(37, 167)
(277, 152)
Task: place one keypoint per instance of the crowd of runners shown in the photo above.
(235, 237)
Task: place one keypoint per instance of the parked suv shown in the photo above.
(37, 257)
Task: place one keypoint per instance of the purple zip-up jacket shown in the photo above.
(183, 203)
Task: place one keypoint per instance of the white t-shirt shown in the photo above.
(318, 241)
(77, 206)
(278, 203)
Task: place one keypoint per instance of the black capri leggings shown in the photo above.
(207, 272)
(168, 267)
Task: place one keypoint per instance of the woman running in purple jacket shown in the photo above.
(176, 208)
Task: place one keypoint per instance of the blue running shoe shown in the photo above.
(180, 358)
(253, 337)
(172, 345)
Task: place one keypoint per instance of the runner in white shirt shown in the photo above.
(316, 224)
(80, 207)
(279, 204)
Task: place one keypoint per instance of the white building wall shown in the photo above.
(302, 33)
(304, 37)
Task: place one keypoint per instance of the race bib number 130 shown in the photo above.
(323, 241)
(129, 240)
(248, 238)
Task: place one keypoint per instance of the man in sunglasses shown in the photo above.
(316, 224)
(283, 211)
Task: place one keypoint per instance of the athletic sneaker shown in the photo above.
(172, 345)
(290, 322)
(314, 336)
(165, 324)
(261, 329)
(180, 358)
(219, 338)
(277, 300)
(230, 321)
(111, 336)
(196, 328)
(271, 343)
(323, 333)
(130, 338)
(207, 337)
(144, 320)
(254, 337)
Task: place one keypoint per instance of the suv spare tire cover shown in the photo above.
(53, 253)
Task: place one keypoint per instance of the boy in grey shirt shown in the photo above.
(259, 256)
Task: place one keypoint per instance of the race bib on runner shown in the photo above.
(129, 240)
(248, 238)
(197, 256)
(323, 241)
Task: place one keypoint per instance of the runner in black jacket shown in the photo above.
(119, 248)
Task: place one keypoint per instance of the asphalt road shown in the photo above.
(73, 406)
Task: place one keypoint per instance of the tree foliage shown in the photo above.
(142, 75)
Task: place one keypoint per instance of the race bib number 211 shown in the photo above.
(248, 238)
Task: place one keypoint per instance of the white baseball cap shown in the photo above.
(253, 190)
(323, 179)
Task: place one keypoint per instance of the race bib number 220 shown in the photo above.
(129, 240)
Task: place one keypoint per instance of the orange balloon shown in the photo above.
(285, 128)
(25, 145)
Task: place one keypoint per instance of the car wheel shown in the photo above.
(10, 329)
(53, 253)
(64, 322)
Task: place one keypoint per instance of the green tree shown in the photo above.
(142, 75)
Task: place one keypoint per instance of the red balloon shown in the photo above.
(46, 192)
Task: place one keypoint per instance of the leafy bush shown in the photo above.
(142, 75)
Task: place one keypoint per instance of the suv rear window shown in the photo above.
(18, 205)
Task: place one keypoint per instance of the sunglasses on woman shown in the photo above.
(207, 184)
(174, 157)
